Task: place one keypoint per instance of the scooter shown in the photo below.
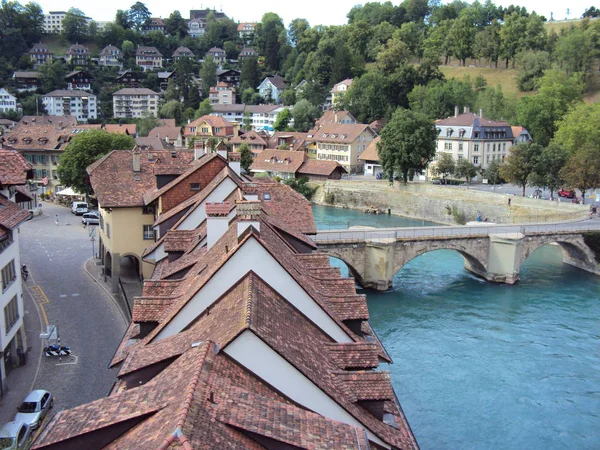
(24, 272)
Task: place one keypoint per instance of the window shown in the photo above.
(504, 147)
(148, 232)
(148, 209)
(8, 275)
(493, 147)
(108, 230)
(475, 159)
(476, 147)
(460, 147)
(194, 186)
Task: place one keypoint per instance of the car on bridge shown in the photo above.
(566, 193)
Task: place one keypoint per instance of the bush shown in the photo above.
(329, 198)
(301, 187)
(459, 216)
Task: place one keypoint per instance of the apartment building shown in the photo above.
(77, 103)
(135, 103)
(148, 58)
(222, 94)
(78, 55)
(53, 22)
(8, 102)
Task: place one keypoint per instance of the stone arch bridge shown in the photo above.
(493, 252)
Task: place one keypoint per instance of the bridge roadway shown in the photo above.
(361, 235)
(494, 252)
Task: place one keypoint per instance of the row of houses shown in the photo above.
(243, 336)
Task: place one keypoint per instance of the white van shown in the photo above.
(79, 208)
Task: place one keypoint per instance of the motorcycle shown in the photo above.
(24, 272)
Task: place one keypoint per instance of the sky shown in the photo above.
(317, 12)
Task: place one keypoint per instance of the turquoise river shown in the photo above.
(486, 366)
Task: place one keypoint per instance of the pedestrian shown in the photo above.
(509, 202)
(56, 220)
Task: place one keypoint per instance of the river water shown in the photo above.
(486, 366)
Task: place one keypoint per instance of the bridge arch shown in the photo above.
(574, 250)
(472, 262)
(352, 270)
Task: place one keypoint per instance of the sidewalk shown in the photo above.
(21, 379)
(94, 270)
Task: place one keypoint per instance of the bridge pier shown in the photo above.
(379, 264)
(504, 258)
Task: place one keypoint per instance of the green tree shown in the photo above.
(579, 128)
(532, 67)
(176, 25)
(145, 125)
(53, 76)
(444, 166)
(304, 115)
(407, 145)
(267, 38)
(438, 99)
(75, 26)
(128, 49)
(250, 76)
(392, 55)
(139, 16)
(541, 113)
(246, 158)
(368, 98)
(465, 169)
(511, 35)
(173, 109)
(299, 185)
(461, 36)
(204, 109)
(487, 43)
(288, 97)
(283, 120)
(547, 172)
(521, 163)
(582, 170)
(21, 27)
(83, 150)
(492, 173)
(208, 75)
(296, 29)
(122, 19)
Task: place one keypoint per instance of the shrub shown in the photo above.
(459, 216)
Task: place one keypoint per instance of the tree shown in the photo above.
(83, 150)
(461, 36)
(139, 16)
(444, 166)
(283, 120)
(296, 30)
(533, 65)
(145, 125)
(299, 185)
(208, 75)
(521, 163)
(407, 145)
(368, 98)
(246, 158)
(53, 76)
(176, 25)
(75, 25)
(511, 34)
(492, 173)
(464, 169)
(128, 49)
(204, 109)
(582, 170)
(592, 11)
(250, 76)
(304, 115)
(122, 19)
(267, 38)
(288, 97)
(547, 172)
(393, 54)
(439, 98)
(171, 110)
(579, 128)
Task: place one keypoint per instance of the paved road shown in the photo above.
(88, 319)
(355, 235)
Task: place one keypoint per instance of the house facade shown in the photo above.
(474, 138)
(14, 172)
(182, 52)
(343, 143)
(156, 24)
(218, 55)
(53, 22)
(79, 104)
(209, 127)
(246, 29)
(196, 28)
(8, 102)
(78, 55)
(79, 80)
(110, 56)
(40, 54)
(370, 158)
(255, 141)
(245, 53)
(229, 76)
(339, 90)
(222, 94)
(27, 81)
(148, 58)
(271, 88)
(129, 78)
(135, 103)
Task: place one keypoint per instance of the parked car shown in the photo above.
(436, 181)
(90, 218)
(566, 193)
(15, 436)
(34, 408)
(79, 208)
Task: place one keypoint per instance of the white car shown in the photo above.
(34, 408)
(15, 436)
(90, 218)
(79, 208)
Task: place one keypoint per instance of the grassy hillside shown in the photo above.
(59, 45)
(507, 78)
(558, 25)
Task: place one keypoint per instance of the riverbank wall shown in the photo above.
(442, 204)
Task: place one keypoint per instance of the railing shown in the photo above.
(382, 234)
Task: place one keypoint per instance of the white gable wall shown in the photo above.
(252, 353)
(219, 194)
(253, 256)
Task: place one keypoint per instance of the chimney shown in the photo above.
(248, 214)
(465, 109)
(136, 161)
(456, 111)
(217, 221)
(199, 150)
(481, 113)
(223, 154)
(335, 118)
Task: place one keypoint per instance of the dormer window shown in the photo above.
(439, 130)
(325, 135)
(461, 132)
(449, 132)
(27, 140)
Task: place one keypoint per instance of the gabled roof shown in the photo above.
(296, 139)
(340, 132)
(121, 128)
(333, 116)
(182, 51)
(109, 50)
(173, 133)
(13, 168)
(278, 161)
(371, 153)
(152, 143)
(69, 93)
(336, 87)
(243, 25)
(117, 185)
(151, 195)
(26, 74)
(78, 49)
(143, 50)
(72, 74)
(11, 214)
(320, 167)
(216, 50)
(40, 48)
(277, 81)
(469, 120)
(251, 137)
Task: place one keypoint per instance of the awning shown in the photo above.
(69, 192)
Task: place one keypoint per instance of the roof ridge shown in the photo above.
(191, 389)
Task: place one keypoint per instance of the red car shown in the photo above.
(566, 193)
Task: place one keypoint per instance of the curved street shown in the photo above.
(65, 295)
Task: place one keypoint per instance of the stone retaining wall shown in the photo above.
(435, 203)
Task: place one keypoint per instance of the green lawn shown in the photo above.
(59, 45)
(507, 78)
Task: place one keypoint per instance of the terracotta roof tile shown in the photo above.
(366, 385)
(13, 168)
(320, 167)
(218, 209)
(354, 356)
(11, 214)
(340, 132)
(371, 153)
(278, 161)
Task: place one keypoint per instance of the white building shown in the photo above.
(8, 102)
(260, 117)
(135, 102)
(13, 173)
(53, 22)
(340, 89)
(80, 104)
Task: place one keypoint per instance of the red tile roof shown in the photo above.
(340, 132)
(13, 168)
(278, 161)
(469, 119)
(11, 214)
(218, 209)
(320, 167)
(371, 153)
